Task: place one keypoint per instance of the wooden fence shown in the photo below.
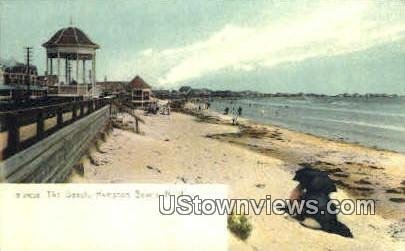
(129, 108)
(11, 122)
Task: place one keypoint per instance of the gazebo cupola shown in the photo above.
(71, 45)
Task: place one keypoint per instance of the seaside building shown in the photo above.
(17, 81)
(71, 45)
(140, 92)
(17, 74)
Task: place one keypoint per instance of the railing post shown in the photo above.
(59, 117)
(40, 124)
(91, 106)
(81, 104)
(13, 128)
(74, 111)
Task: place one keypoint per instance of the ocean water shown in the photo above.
(373, 122)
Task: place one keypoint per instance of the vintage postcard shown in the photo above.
(202, 125)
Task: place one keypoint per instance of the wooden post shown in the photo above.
(40, 124)
(81, 109)
(74, 111)
(89, 106)
(59, 117)
(13, 140)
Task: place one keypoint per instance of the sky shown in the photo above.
(269, 46)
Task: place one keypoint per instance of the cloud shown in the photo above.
(329, 30)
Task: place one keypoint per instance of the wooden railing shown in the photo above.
(11, 122)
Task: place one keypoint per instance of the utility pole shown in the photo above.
(27, 70)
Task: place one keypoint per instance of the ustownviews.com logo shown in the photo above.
(194, 205)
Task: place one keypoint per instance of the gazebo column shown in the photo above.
(142, 98)
(51, 59)
(47, 65)
(84, 71)
(66, 71)
(77, 74)
(93, 74)
(77, 68)
(58, 68)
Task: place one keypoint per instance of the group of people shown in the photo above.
(204, 106)
(238, 111)
(235, 113)
(155, 109)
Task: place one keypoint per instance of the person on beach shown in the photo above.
(234, 117)
(297, 193)
(315, 185)
(226, 111)
(240, 111)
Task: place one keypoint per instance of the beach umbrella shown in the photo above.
(314, 180)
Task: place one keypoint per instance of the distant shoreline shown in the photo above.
(187, 92)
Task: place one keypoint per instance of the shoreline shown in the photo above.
(373, 124)
(246, 121)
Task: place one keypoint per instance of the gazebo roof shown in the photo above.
(70, 37)
(138, 83)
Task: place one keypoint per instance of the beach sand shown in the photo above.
(255, 161)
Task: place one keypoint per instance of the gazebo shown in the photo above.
(66, 46)
(140, 91)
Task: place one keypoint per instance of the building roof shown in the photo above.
(138, 83)
(70, 36)
(112, 85)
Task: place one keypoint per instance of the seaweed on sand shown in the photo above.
(240, 226)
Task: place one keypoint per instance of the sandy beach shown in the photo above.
(254, 161)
